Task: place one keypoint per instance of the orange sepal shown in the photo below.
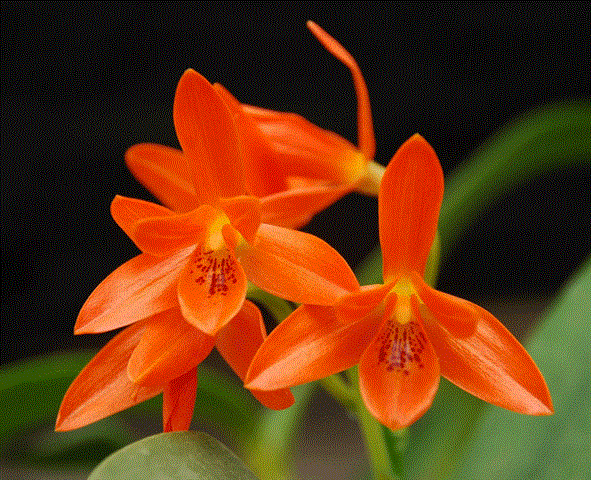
(211, 289)
(361, 303)
(262, 175)
(138, 289)
(367, 143)
(489, 362)
(102, 388)
(301, 149)
(238, 342)
(244, 213)
(163, 236)
(399, 371)
(178, 402)
(297, 266)
(169, 347)
(311, 343)
(207, 135)
(410, 197)
(294, 208)
(165, 173)
(127, 212)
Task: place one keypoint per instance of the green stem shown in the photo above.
(340, 390)
(276, 306)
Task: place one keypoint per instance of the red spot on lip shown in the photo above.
(215, 269)
(401, 346)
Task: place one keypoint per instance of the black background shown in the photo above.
(83, 82)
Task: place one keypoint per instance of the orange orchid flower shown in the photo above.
(186, 291)
(288, 143)
(404, 334)
(181, 180)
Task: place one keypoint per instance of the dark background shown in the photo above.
(83, 82)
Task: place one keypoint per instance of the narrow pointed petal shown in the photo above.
(211, 289)
(165, 173)
(367, 142)
(262, 174)
(244, 213)
(295, 208)
(138, 289)
(163, 236)
(178, 402)
(410, 197)
(312, 343)
(238, 342)
(398, 373)
(169, 347)
(127, 212)
(362, 302)
(489, 363)
(458, 316)
(297, 266)
(302, 149)
(207, 135)
(102, 388)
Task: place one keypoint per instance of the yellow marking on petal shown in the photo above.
(214, 238)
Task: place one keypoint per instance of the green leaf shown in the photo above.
(509, 445)
(270, 452)
(540, 141)
(438, 439)
(174, 455)
(32, 391)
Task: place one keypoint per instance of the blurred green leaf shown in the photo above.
(173, 455)
(438, 439)
(544, 139)
(270, 452)
(31, 392)
(509, 445)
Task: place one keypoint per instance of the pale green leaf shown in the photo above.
(171, 456)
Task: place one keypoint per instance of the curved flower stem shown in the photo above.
(340, 391)
(276, 306)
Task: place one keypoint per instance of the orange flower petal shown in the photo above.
(367, 142)
(410, 197)
(311, 343)
(456, 315)
(139, 288)
(244, 213)
(127, 212)
(297, 266)
(165, 173)
(398, 372)
(294, 208)
(169, 347)
(102, 388)
(163, 236)
(302, 149)
(211, 289)
(489, 363)
(262, 174)
(238, 342)
(361, 303)
(207, 135)
(179, 402)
